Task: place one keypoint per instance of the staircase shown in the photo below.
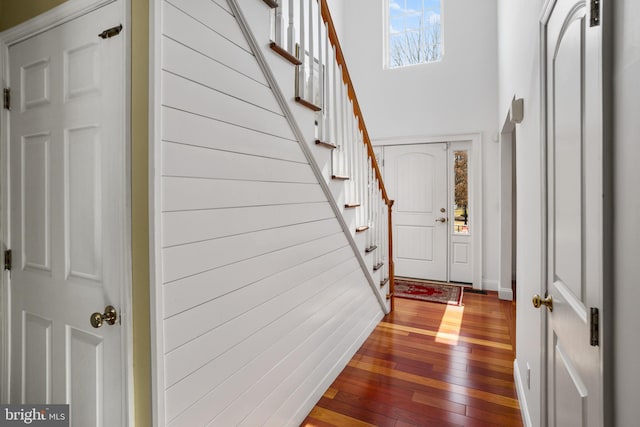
(296, 43)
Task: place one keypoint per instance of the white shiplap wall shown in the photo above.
(260, 299)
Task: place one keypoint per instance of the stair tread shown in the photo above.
(378, 266)
(339, 177)
(362, 228)
(352, 205)
(326, 144)
(284, 53)
(307, 104)
(271, 3)
(371, 249)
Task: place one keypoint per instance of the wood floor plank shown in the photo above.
(430, 364)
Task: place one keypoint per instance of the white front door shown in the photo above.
(574, 214)
(68, 210)
(416, 177)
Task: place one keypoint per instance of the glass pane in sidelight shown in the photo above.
(461, 192)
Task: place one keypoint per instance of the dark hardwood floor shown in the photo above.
(429, 364)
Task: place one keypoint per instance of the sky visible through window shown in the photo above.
(415, 33)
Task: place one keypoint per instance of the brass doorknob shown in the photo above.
(110, 316)
(546, 301)
(441, 219)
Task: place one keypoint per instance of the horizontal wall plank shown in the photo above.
(179, 59)
(220, 395)
(201, 352)
(193, 226)
(195, 193)
(185, 260)
(296, 366)
(191, 291)
(199, 162)
(208, 13)
(310, 371)
(297, 402)
(184, 29)
(199, 320)
(192, 129)
(224, 5)
(186, 95)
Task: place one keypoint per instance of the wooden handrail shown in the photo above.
(333, 37)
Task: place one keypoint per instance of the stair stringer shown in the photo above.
(303, 115)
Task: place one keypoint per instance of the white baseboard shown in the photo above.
(490, 285)
(522, 397)
(505, 294)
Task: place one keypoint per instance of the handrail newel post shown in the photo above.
(392, 279)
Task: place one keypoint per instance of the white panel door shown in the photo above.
(417, 180)
(574, 203)
(68, 217)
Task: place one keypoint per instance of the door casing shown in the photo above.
(39, 24)
(476, 190)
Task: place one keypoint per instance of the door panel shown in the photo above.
(417, 181)
(85, 373)
(35, 195)
(36, 383)
(570, 390)
(574, 215)
(68, 217)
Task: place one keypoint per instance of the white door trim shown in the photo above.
(54, 17)
(507, 145)
(476, 175)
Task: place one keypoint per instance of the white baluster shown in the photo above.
(291, 29)
(303, 52)
(276, 29)
(312, 59)
(321, 77)
(326, 101)
(336, 118)
(361, 188)
(353, 137)
(345, 124)
(340, 121)
(369, 190)
(380, 227)
(348, 144)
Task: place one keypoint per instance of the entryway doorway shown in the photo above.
(436, 221)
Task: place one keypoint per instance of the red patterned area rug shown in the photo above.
(428, 291)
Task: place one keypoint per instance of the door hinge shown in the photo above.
(7, 260)
(110, 32)
(595, 13)
(595, 327)
(6, 98)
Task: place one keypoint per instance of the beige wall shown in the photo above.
(13, 12)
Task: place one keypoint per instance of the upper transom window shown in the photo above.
(414, 32)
